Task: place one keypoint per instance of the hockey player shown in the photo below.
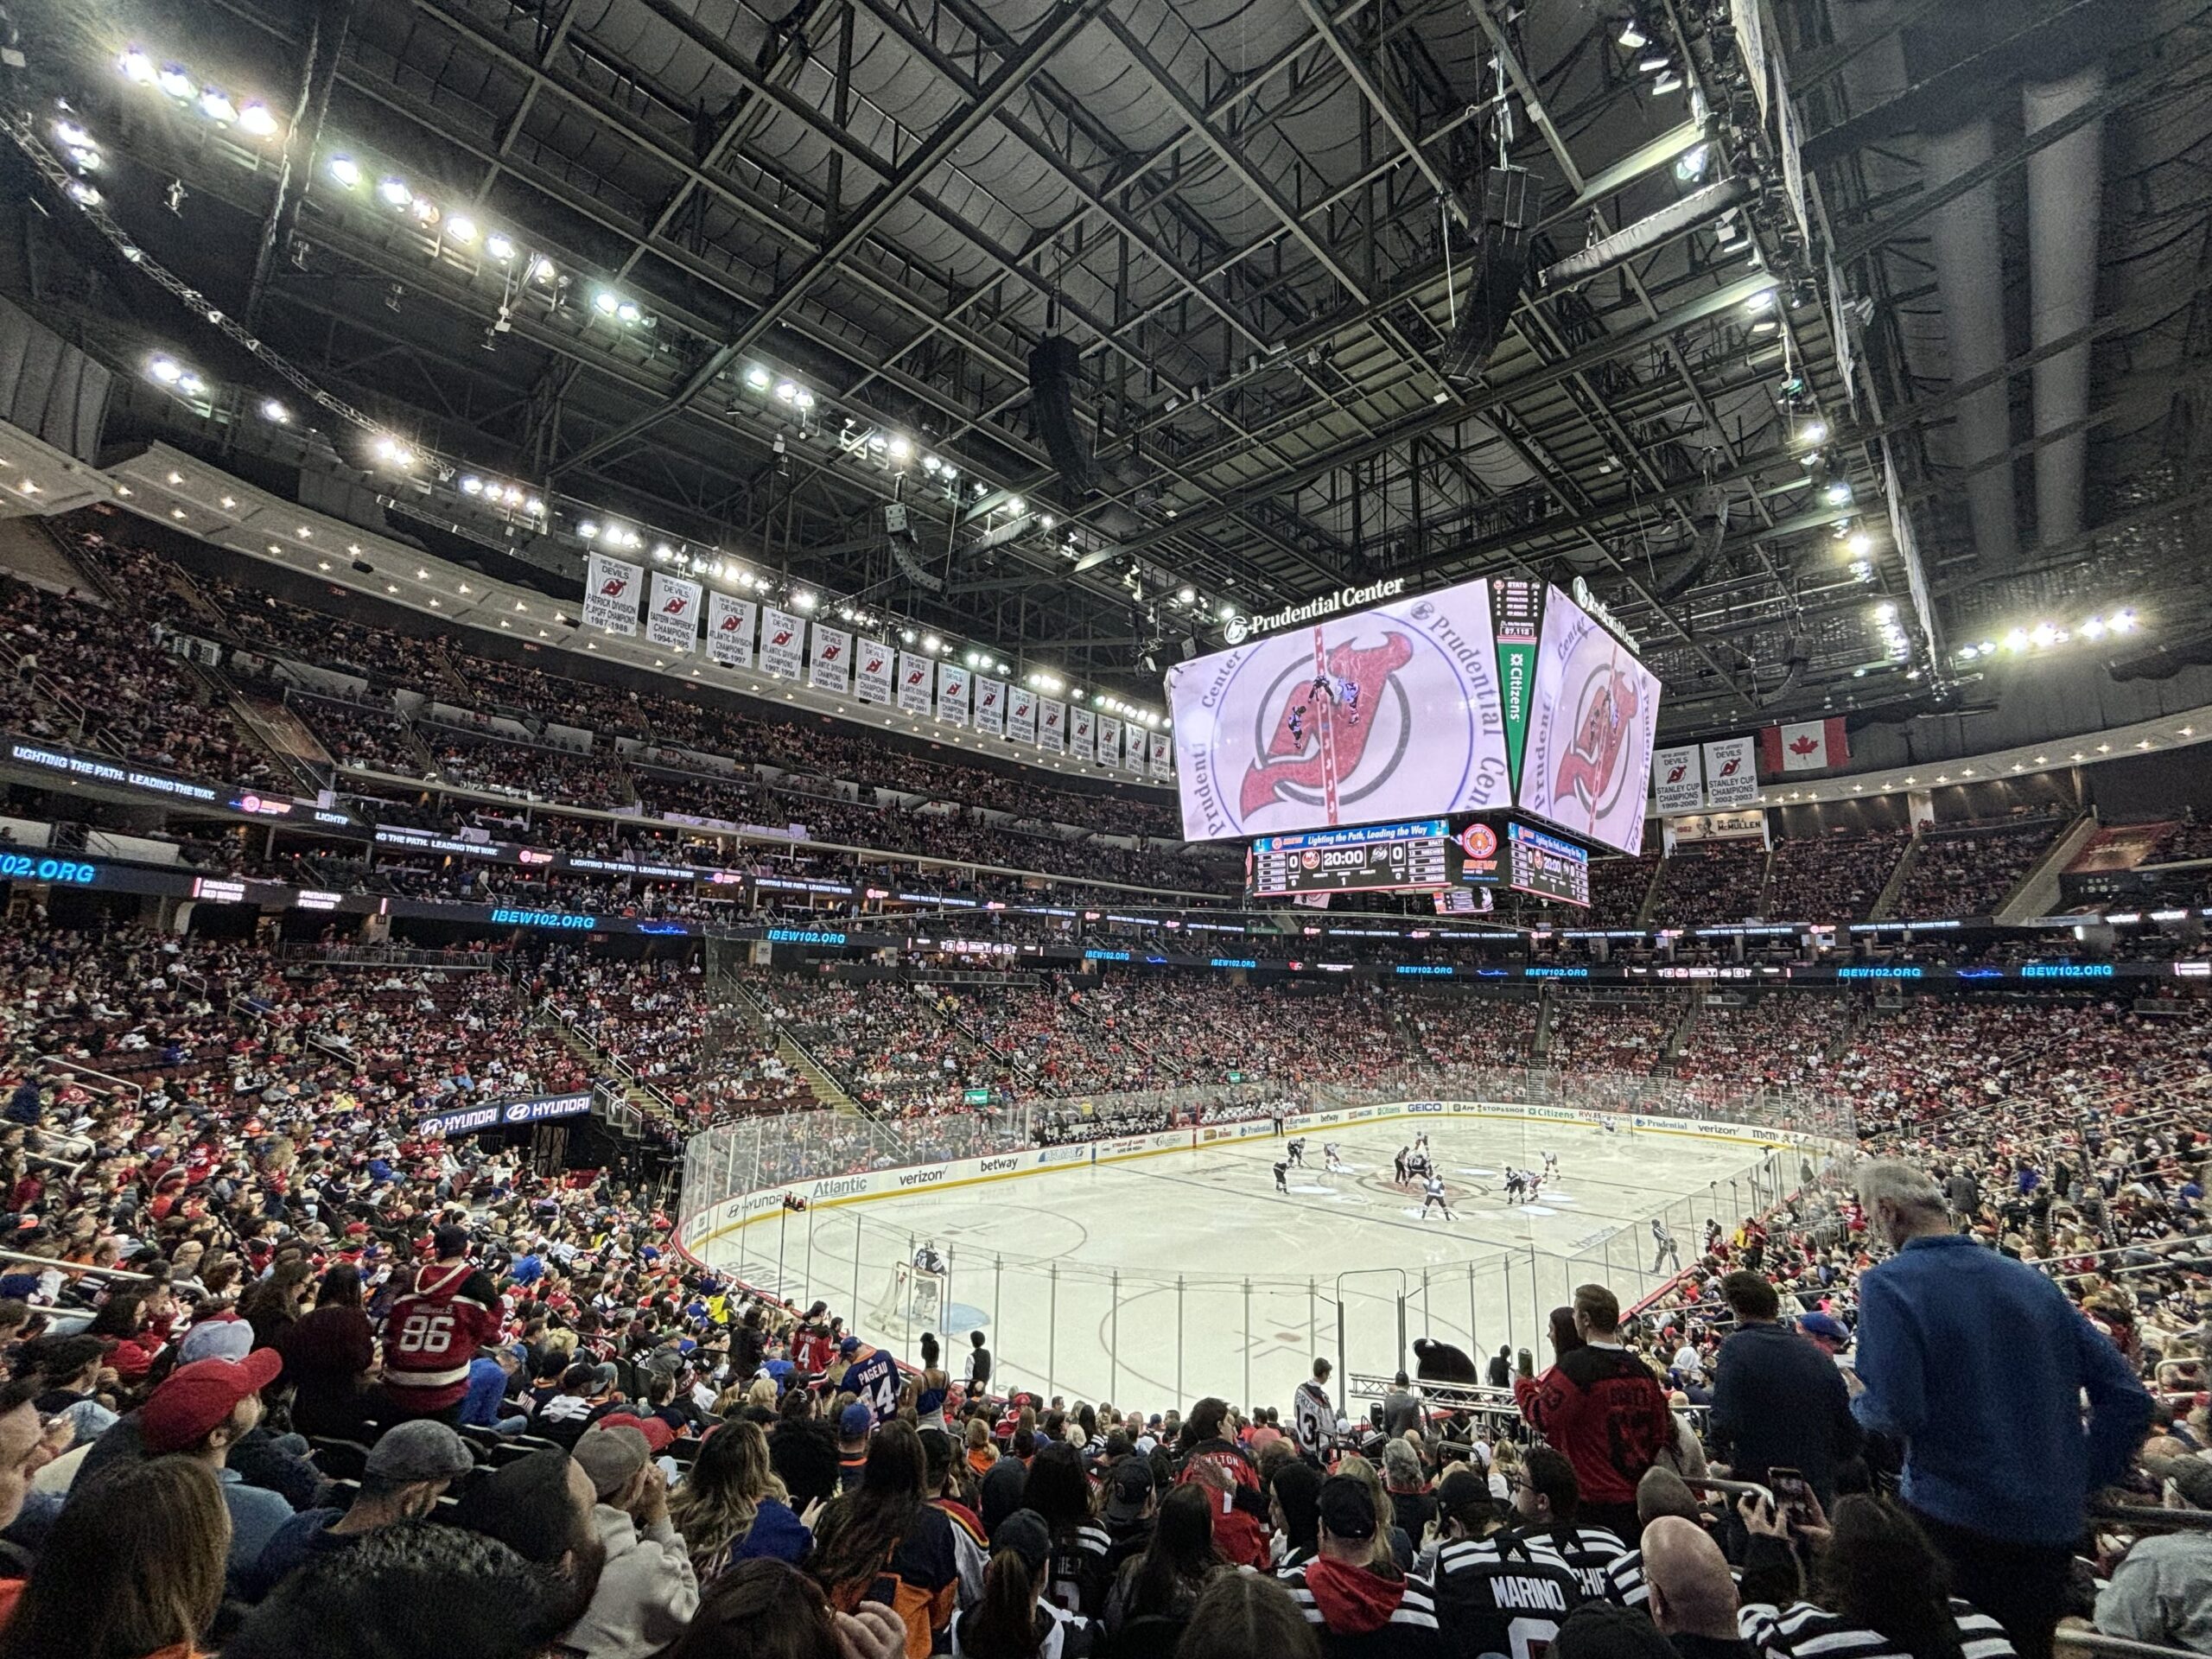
(1296, 1151)
(927, 1259)
(1331, 1161)
(1420, 1144)
(1398, 1165)
(1515, 1184)
(1282, 1170)
(1551, 1165)
(1433, 1193)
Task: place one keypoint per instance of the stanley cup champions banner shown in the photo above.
(991, 706)
(1731, 774)
(783, 642)
(953, 684)
(729, 631)
(611, 590)
(873, 672)
(832, 666)
(1079, 743)
(1676, 783)
(916, 683)
(1021, 715)
(672, 622)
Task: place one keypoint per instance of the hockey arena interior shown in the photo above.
(1105, 829)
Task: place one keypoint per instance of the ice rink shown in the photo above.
(1157, 1279)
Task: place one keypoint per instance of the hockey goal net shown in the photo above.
(913, 1296)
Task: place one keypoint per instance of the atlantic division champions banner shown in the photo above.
(729, 630)
(783, 638)
(1389, 713)
(831, 668)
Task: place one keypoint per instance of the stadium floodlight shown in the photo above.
(1812, 433)
(172, 78)
(500, 247)
(1633, 34)
(215, 104)
(257, 121)
(757, 378)
(460, 228)
(786, 392)
(900, 448)
(136, 66)
(83, 195)
(73, 137)
(2122, 622)
(345, 172)
(1860, 545)
(1670, 80)
(1016, 505)
(603, 301)
(1189, 595)
(931, 644)
(393, 190)
(165, 369)
(274, 412)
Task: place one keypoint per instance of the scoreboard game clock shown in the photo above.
(1546, 865)
(1370, 858)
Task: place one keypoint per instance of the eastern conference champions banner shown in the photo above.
(1401, 711)
(874, 671)
(673, 621)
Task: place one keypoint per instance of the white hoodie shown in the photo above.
(647, 1592)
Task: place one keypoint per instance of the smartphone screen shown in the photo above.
(1791, 1495)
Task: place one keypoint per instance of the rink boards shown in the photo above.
(717, 1221)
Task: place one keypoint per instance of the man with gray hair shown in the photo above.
(1978, 1364)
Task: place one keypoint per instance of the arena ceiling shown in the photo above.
(1257, 223)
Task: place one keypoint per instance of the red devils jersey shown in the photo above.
(433, 1330)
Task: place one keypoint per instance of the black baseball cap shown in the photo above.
(1347, 1508)
(1132, 1484)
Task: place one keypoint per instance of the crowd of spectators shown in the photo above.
(1831, 878)
(1971, 872)
(1711, 881)
(1620, 1033)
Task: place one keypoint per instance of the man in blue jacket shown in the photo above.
(1979, 1364)
(1779, 1401)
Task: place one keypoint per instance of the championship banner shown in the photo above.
(1052, 725)
(783, 643)
(991, 706)
(729, 630)
(831, 667)
(954, 684)
(1021, 715)
(1163, 756)
(1732, 775)
(611, 590)
(1676, 783)
(1079, 734)
(873, 672)
(1109, 740)
(672, 623)
(1132, 754)
(916, 683)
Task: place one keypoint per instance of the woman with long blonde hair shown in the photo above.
(722, 1498)
(1382, 1551)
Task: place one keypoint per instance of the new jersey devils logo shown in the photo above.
(1294, 757)
(1606, 716)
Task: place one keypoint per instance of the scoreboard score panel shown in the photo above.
(1546, 865)
(1371, 858)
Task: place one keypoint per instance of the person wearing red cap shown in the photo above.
(433, 1332)
(200, 1412)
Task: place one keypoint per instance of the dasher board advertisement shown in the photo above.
(1486, 696)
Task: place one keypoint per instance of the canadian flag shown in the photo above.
(1809, 746)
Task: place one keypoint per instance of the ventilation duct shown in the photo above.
(1969, 278)
(2065, 190)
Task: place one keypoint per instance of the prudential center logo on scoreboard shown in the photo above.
(1391, 713)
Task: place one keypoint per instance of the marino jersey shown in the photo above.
(1504, 1598)
(1587, 1551)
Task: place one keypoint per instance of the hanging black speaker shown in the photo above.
(1501, 270)
(1053, 370)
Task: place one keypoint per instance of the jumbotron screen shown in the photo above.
(1495, 694)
